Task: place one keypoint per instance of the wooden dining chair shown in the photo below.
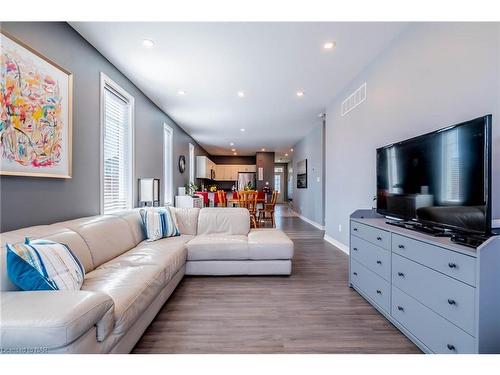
(267, 213)
(248, 200)
(221, 198)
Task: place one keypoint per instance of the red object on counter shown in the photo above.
(204, 195)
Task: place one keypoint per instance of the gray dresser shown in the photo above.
(443, 296)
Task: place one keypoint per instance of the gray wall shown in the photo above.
(433, 75)
(265, 160)
(28, 201)
(310, 202)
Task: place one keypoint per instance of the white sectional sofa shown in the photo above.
(128, 279)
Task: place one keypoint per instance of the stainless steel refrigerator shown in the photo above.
(246, 178)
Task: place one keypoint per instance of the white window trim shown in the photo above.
(191, 163)
(168, 174)
(105, 81)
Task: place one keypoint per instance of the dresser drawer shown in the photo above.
(371, 256)
(448, 297)
(432, 330)
(372, 285)
(379, 237)
(456, 265)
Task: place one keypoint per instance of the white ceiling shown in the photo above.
(270, 62)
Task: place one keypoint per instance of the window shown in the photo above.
(191, 163)
(277, 183)
(117, 147)
(168, 155)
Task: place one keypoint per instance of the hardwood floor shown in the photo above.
(311, 311)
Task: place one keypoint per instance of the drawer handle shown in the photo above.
(355, 229)
(355, 273)
(379, 238)
(400, 308)
(401, 246)
(452, 265)
(451, 347)
(451, 301)
(355, 249)
(401, 274)
(379, 262)
(379, 291)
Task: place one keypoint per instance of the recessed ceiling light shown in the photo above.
(286, 154)
(231, 144)
(300, 93)
(234, 153)
(263, 149)
(241, 94)
(329, 45)
(181, 92)
(148, 43)
(291, 149)
(242, 130)
(233, 149)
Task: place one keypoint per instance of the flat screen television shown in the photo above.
(440, 179)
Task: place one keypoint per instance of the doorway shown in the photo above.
(279, 183)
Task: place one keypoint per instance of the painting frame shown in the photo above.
(302, 174)
(68, 126)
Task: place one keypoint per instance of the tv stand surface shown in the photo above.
(419, 227)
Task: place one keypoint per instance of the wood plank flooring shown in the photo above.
(312, 311)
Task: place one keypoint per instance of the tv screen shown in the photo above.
(441, 178)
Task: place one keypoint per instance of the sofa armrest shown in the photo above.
(52, 319)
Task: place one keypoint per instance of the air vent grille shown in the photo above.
(353, 100)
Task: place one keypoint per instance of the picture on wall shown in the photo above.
(302, 174)
(36, 113)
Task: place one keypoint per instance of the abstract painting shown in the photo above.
(35, 117)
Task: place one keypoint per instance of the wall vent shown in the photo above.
(353, 100)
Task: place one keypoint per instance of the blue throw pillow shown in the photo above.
(43, 265)
(158, 223)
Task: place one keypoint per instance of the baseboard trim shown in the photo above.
(337, 244)
(313, 223)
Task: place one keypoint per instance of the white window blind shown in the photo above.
(117, 150)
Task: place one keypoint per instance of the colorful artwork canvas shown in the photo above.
(35, 117)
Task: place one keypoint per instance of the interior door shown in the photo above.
(279, 183)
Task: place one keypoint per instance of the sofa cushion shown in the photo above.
(132, 289)
(218, 247)
(59, 318)
(107, 236)
(44, 265)
(220, 220)
(269, 244)
(187, 219)
(169, 253)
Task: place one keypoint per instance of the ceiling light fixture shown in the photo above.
(241, 94)
(233, 149)
(181, 92)
(234, 153)
(291, 149)
(231, 144)
(329, 45)
(286, 154)
(148, 43)
(300, 93)
(263, 149)
(242, 130)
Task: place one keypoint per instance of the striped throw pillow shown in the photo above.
(159, 223)
(44, 265)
